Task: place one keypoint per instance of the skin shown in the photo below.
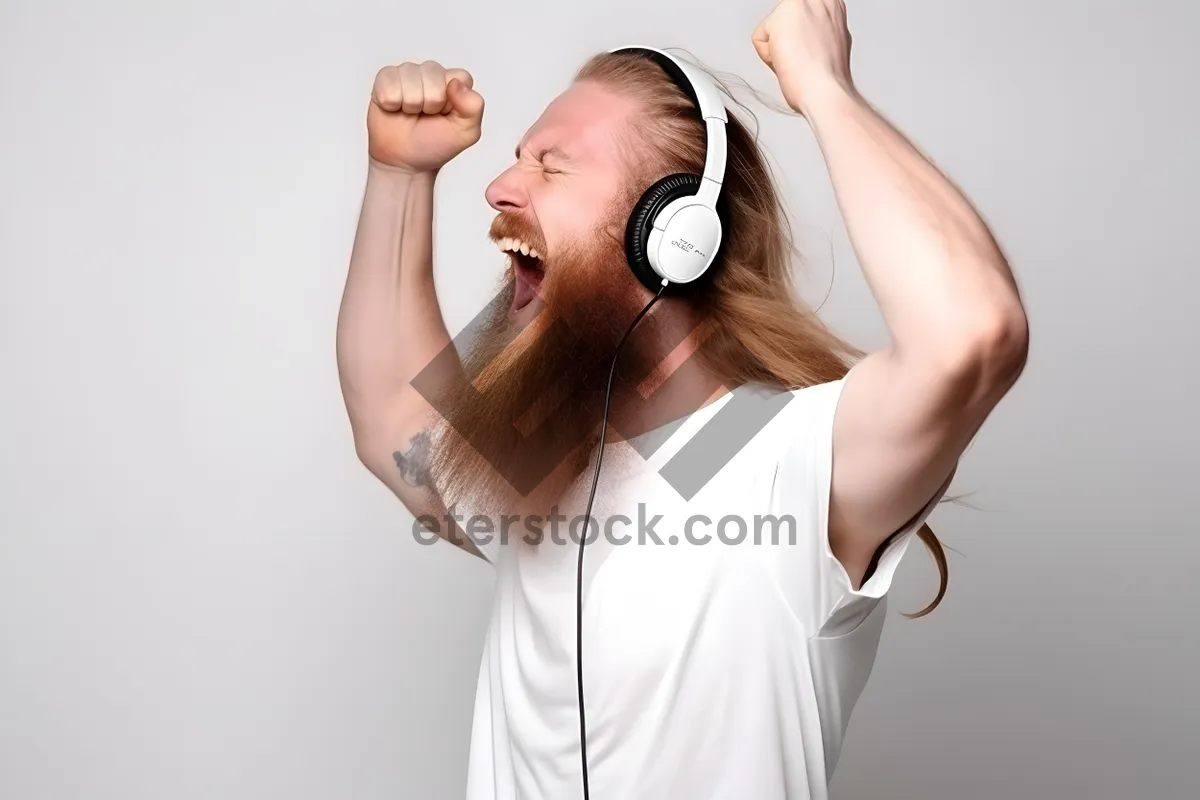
(567, 170)
(958, 331)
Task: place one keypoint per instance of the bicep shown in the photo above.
(898, 432)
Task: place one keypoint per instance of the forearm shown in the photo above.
(389, 325)
(933, 267)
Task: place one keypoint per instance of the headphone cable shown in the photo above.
(587, 517)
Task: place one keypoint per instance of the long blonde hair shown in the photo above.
(758, 327)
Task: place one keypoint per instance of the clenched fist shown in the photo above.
(422, 115)
(807, 45)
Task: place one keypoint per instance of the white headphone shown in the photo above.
(674, 230)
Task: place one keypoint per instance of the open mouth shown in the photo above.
(527, 270)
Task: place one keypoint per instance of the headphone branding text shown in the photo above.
(687, 247)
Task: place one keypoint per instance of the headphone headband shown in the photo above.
(674, 230)
(708, 99)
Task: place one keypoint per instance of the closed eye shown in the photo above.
(539, 158)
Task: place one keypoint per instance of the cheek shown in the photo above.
(564, 225)
(572, 217)
(584, 222)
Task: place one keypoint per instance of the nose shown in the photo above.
(506, 193)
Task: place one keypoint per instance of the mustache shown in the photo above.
(516, 227)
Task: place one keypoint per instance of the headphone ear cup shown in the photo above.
(641, 221)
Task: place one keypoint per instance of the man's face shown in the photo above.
(557, 205)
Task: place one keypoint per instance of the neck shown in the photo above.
(679, 384)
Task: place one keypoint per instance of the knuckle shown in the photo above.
(386, 87)
(387, 96)
(434, 82)
(385, 76)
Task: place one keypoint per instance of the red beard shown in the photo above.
(521, 414)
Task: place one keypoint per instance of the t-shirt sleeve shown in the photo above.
(821, 591)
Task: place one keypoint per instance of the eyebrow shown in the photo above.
(545, 151)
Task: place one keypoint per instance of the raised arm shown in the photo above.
(956, 322)
(390, 325)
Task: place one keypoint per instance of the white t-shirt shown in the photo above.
(714, 666)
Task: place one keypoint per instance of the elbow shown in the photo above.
(974, 347)
(367, 454)
(376, 459)
(371, 447)
(367, 441)
(990, 357)
(1004, 345)
(976, 361)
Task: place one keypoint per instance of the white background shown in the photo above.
(204, 595)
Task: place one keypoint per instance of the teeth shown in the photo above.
(511, 245)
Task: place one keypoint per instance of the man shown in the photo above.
(717, 664)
